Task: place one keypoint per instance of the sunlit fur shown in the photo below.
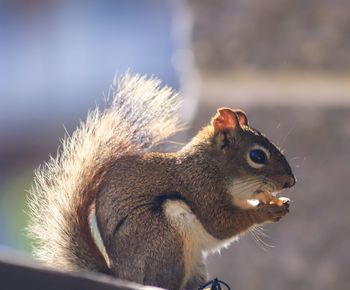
(243, 189)
(158, 214)
(64, 188)
(198, 243)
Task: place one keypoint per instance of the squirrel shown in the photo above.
(158, 214)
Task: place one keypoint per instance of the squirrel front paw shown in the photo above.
(271, 212)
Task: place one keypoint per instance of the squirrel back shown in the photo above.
(139, 116)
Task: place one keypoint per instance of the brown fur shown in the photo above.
(200, 173)
(65, 188)
(159, 214)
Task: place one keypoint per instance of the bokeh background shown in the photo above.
(285, 62)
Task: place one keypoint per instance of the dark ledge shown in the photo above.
(18, 273)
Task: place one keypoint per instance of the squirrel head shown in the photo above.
(248, 161)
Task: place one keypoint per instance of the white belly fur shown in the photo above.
(198, 243)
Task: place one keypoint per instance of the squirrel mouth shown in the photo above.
(268, 197)
(277, 194)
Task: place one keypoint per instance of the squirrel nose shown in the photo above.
(290, 181)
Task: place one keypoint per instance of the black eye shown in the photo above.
(258, 156)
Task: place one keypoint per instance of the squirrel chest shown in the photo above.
(142, 195)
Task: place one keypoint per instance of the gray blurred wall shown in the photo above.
(286, 63)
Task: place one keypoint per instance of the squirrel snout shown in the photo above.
(289, 181)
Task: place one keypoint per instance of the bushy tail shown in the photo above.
(140, 114)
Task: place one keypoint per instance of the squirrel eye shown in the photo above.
(257, 157)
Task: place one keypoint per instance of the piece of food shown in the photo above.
(269, 198)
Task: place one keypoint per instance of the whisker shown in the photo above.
(285, 137)
(257, 241)
(245, 185)
(261, 231)
(270, 183)
(252, 185)
(245, 180)
(249, 181)
(256, 233)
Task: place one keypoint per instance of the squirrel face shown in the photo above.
(250, 162)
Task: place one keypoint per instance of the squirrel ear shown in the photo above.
(225, 118)
(242, 117)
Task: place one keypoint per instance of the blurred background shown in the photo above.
(285, 62)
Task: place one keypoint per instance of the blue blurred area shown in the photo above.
(57, 59)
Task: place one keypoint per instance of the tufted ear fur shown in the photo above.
(225, 122)
(226, 119)
(242, 117)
